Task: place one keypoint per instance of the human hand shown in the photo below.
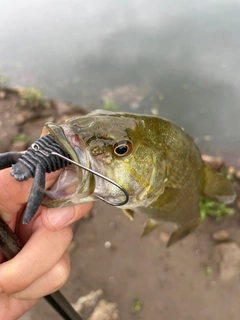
(42, 266)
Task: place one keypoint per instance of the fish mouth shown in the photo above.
(81, 181)
(64, 188)
(73, 181)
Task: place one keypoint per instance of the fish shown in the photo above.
(154, 160)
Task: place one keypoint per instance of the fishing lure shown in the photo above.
(44, 156)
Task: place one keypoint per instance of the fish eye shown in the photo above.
(123, 148)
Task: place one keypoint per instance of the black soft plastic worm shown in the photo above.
(33, 164)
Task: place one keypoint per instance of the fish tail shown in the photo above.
(217, 187)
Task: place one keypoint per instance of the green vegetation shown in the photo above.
(137, 305)
(33, 97)
(4, 82)
(109, 105)
(210, 208)
(20, 137)
(228, 175)
(209, 271)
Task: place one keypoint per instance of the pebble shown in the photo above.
(107, 244)
(88, 301)
(105, 311)
(112, 224)
(227, 256)
(2, 94)
(164, 237)
(221, 235)
(237, 174)
(111, 279)
(232, 170)
(214, 163)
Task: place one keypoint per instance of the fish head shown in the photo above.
(120, 146)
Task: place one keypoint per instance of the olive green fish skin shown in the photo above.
(162, 169)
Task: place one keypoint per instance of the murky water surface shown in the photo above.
(178, 59)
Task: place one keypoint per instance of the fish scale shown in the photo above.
(163, 172)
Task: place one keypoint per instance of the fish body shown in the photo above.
(153, 159)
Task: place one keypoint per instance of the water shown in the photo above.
(178, 59)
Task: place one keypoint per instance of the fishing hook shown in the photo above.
(36, 147)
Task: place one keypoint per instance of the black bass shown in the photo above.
(153, 159)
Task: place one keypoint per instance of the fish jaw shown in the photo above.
(74, 184)
(90, 140)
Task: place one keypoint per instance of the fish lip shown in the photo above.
(74, 140)
(76, 148)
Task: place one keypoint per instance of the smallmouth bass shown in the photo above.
(153, 159)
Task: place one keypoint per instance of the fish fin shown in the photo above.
(182, 232)
(217, 187)
(149, 226)
(129, 213)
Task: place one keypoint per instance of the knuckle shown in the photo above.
(60, 273)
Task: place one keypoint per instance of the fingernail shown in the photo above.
(60, 217)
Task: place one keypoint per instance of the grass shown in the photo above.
(210, 208)
(228, 175)
(33, 97)
(137, 305)
(109, 105)
(4, 82)
(20, 137)
(209, 271)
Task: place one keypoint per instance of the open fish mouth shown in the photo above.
(73, 181)
(65, 186)
(68, 185)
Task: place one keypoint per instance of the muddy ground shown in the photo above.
(195, 279)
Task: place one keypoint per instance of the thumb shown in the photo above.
(58, 218)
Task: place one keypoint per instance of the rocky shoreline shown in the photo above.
(23, 115)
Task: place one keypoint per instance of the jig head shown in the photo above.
(45, 155)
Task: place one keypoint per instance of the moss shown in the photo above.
(137, 305)
(4, 82)
(210, 208)
(33, 97)
(109, 105)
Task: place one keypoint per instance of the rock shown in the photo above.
(88, 302)
(19, 146)
(227, 255)
(164, 237)
(237, 174)
(2, 94)
(221, 235)
(105, 311)
(61, 107)
(232, 170)
(64, 111)
(214, 163)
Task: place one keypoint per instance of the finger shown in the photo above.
(13, 194)
(39, 255)
(58, 218)
(50, 282)
(11, 308)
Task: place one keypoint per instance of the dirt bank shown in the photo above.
(147, 281)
